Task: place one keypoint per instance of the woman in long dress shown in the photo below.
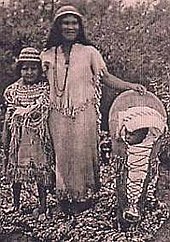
(76, 70)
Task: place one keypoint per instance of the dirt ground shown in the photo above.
(163, 234)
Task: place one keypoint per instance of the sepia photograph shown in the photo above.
(84, 120)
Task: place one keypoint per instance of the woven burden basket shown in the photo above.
(129, 99)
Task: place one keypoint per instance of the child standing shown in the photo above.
(26, 136)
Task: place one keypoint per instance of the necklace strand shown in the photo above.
(56, 87)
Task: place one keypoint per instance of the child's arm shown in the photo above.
(39, 110)
(40, 106)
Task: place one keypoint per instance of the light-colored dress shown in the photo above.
(26, 133)
(73, 117)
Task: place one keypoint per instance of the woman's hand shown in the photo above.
(138, 87)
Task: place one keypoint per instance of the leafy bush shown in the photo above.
(134, 41)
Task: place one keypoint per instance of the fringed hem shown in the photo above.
(100, 223)
(29, 174)
(73, 112)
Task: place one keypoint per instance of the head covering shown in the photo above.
(147, 110)
(29, 54)
(141, 117)
(67, 10)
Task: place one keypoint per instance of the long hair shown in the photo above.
(55, 37)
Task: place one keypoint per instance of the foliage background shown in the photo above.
(134, 42)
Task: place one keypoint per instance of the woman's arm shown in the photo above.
(114, 82)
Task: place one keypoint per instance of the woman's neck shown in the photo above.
(66, 48)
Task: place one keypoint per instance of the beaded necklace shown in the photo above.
(60, 91)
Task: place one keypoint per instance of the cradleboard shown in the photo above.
(136, 164)
(130, 99)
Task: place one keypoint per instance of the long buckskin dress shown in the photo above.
(73, 117)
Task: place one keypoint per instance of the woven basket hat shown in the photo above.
(67, 10)
(136, 111)
(29, 54)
